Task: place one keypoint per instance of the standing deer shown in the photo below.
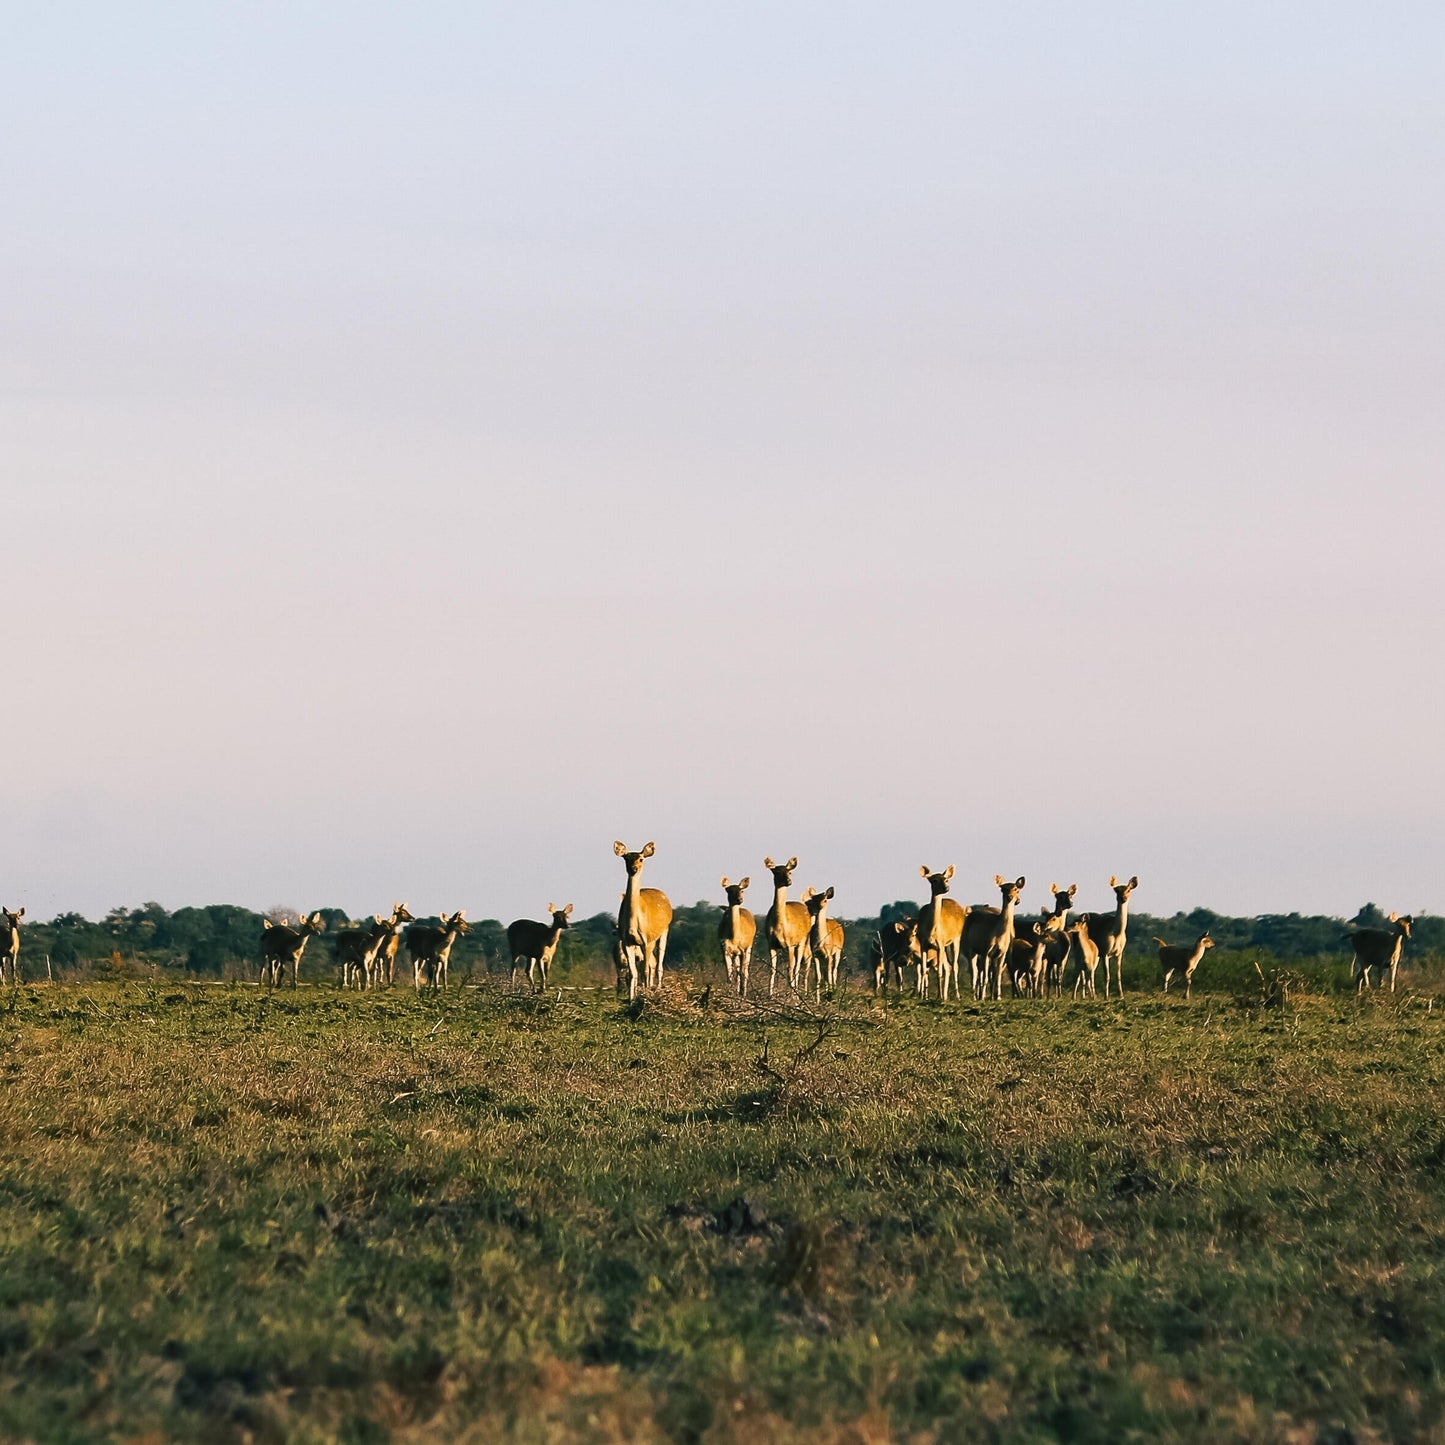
(1174, 957)
(988, 935)
(1054, 926)
(355, 949)
(894, 948)
(787, 925)
(283, 943)
(825, 940)
(10, 943)
(1378, 948)
(1027, 964)
(430, 947)
(1085, 953)
(534, 945)
(736, 930)
(385, 961)
(1110, 930)
(643, 922)
(940, 932)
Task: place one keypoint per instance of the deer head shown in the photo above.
(633, 861)
(735, 891)
(937, 882)
(782, 872)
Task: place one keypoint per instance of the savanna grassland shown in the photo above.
(228, 1215)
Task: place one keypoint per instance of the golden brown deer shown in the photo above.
(736, 931)
(1085, 955)
(940, 932)
(643, 922)
(10, 943)
(430, 947)
(787, 925)
(1182, 958)
(988, 935)
(533, 945)
(385, 962)
(1110, 932)
(283, 943)
(825, 940)
(1379, 948)
(894, 948)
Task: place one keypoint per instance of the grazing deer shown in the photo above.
(430, 947)
(825, 940)
(534, 944)
(355, 949)
(736, 930)
(1176, 956)
(1110, 930)
(1378, 948)
(940, 932)
(385, 961)
(283, 943)
(10, 942)
(643, 922)
(1085, 954)
(894, 947)
(988, 935)
(787, 925)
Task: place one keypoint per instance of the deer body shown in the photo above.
(988, 935)
(1110, 932)
(643, 922)
(534, 944)
(1053, 926)
(825, 940)
(1379, 948)
(1027, 965)
(895, 946)
(355, 951)
(940, 933)
(430, 947)
(10, 942)
(384, 964)
(736, 931)
(1085, 953)
(1176, 958)
(787, 925)
(281, 943)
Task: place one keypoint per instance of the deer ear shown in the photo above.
(551, 908)
(1019, 881)
(768, 862)
(792, 862)
(1394, 917)
(648, 851)
(725, 882)
(21, 914)
(808, 893)
(1073, 889)
(923, 870)
(1113, 882)
(999, 880)
(948, 873)
(619, 848)
(1134, 881)
(745, 882)
(1055, 889)
(567, 911)
(829, 893)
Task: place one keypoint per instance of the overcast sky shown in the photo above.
(439, 439)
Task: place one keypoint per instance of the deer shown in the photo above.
(430, 947)
(283, 943)
(894, 947)
(355, 949)
(10, 943)
(1085, 953)
(1109, 931)
(1027, 963)
(787, 925)
(643, 922)
(385, 961)
(1378, 948)
(535, 944)
(736, 930)
(1182, 957)
(825, 940)
(1054, 926)
(988, 934)
(940, 932)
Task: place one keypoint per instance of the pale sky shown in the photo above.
(439, 439)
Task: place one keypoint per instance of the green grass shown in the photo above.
(227, 1216)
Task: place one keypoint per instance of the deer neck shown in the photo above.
(1006, 913)
(632, 899)
(820, 925)
(780, 901)
(1121, 917)
(735, 919)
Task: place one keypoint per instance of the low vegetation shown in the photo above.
(238, 1215)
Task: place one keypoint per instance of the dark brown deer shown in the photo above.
(643, 923)
(736, 930)
(1379, 948)
(894, 948)
(533, 945)
(283, 943)
(430, 947)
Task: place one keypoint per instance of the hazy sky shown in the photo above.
(439, 439)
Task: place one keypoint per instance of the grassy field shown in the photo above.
(225, 1215)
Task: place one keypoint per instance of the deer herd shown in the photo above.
(1039, 956)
